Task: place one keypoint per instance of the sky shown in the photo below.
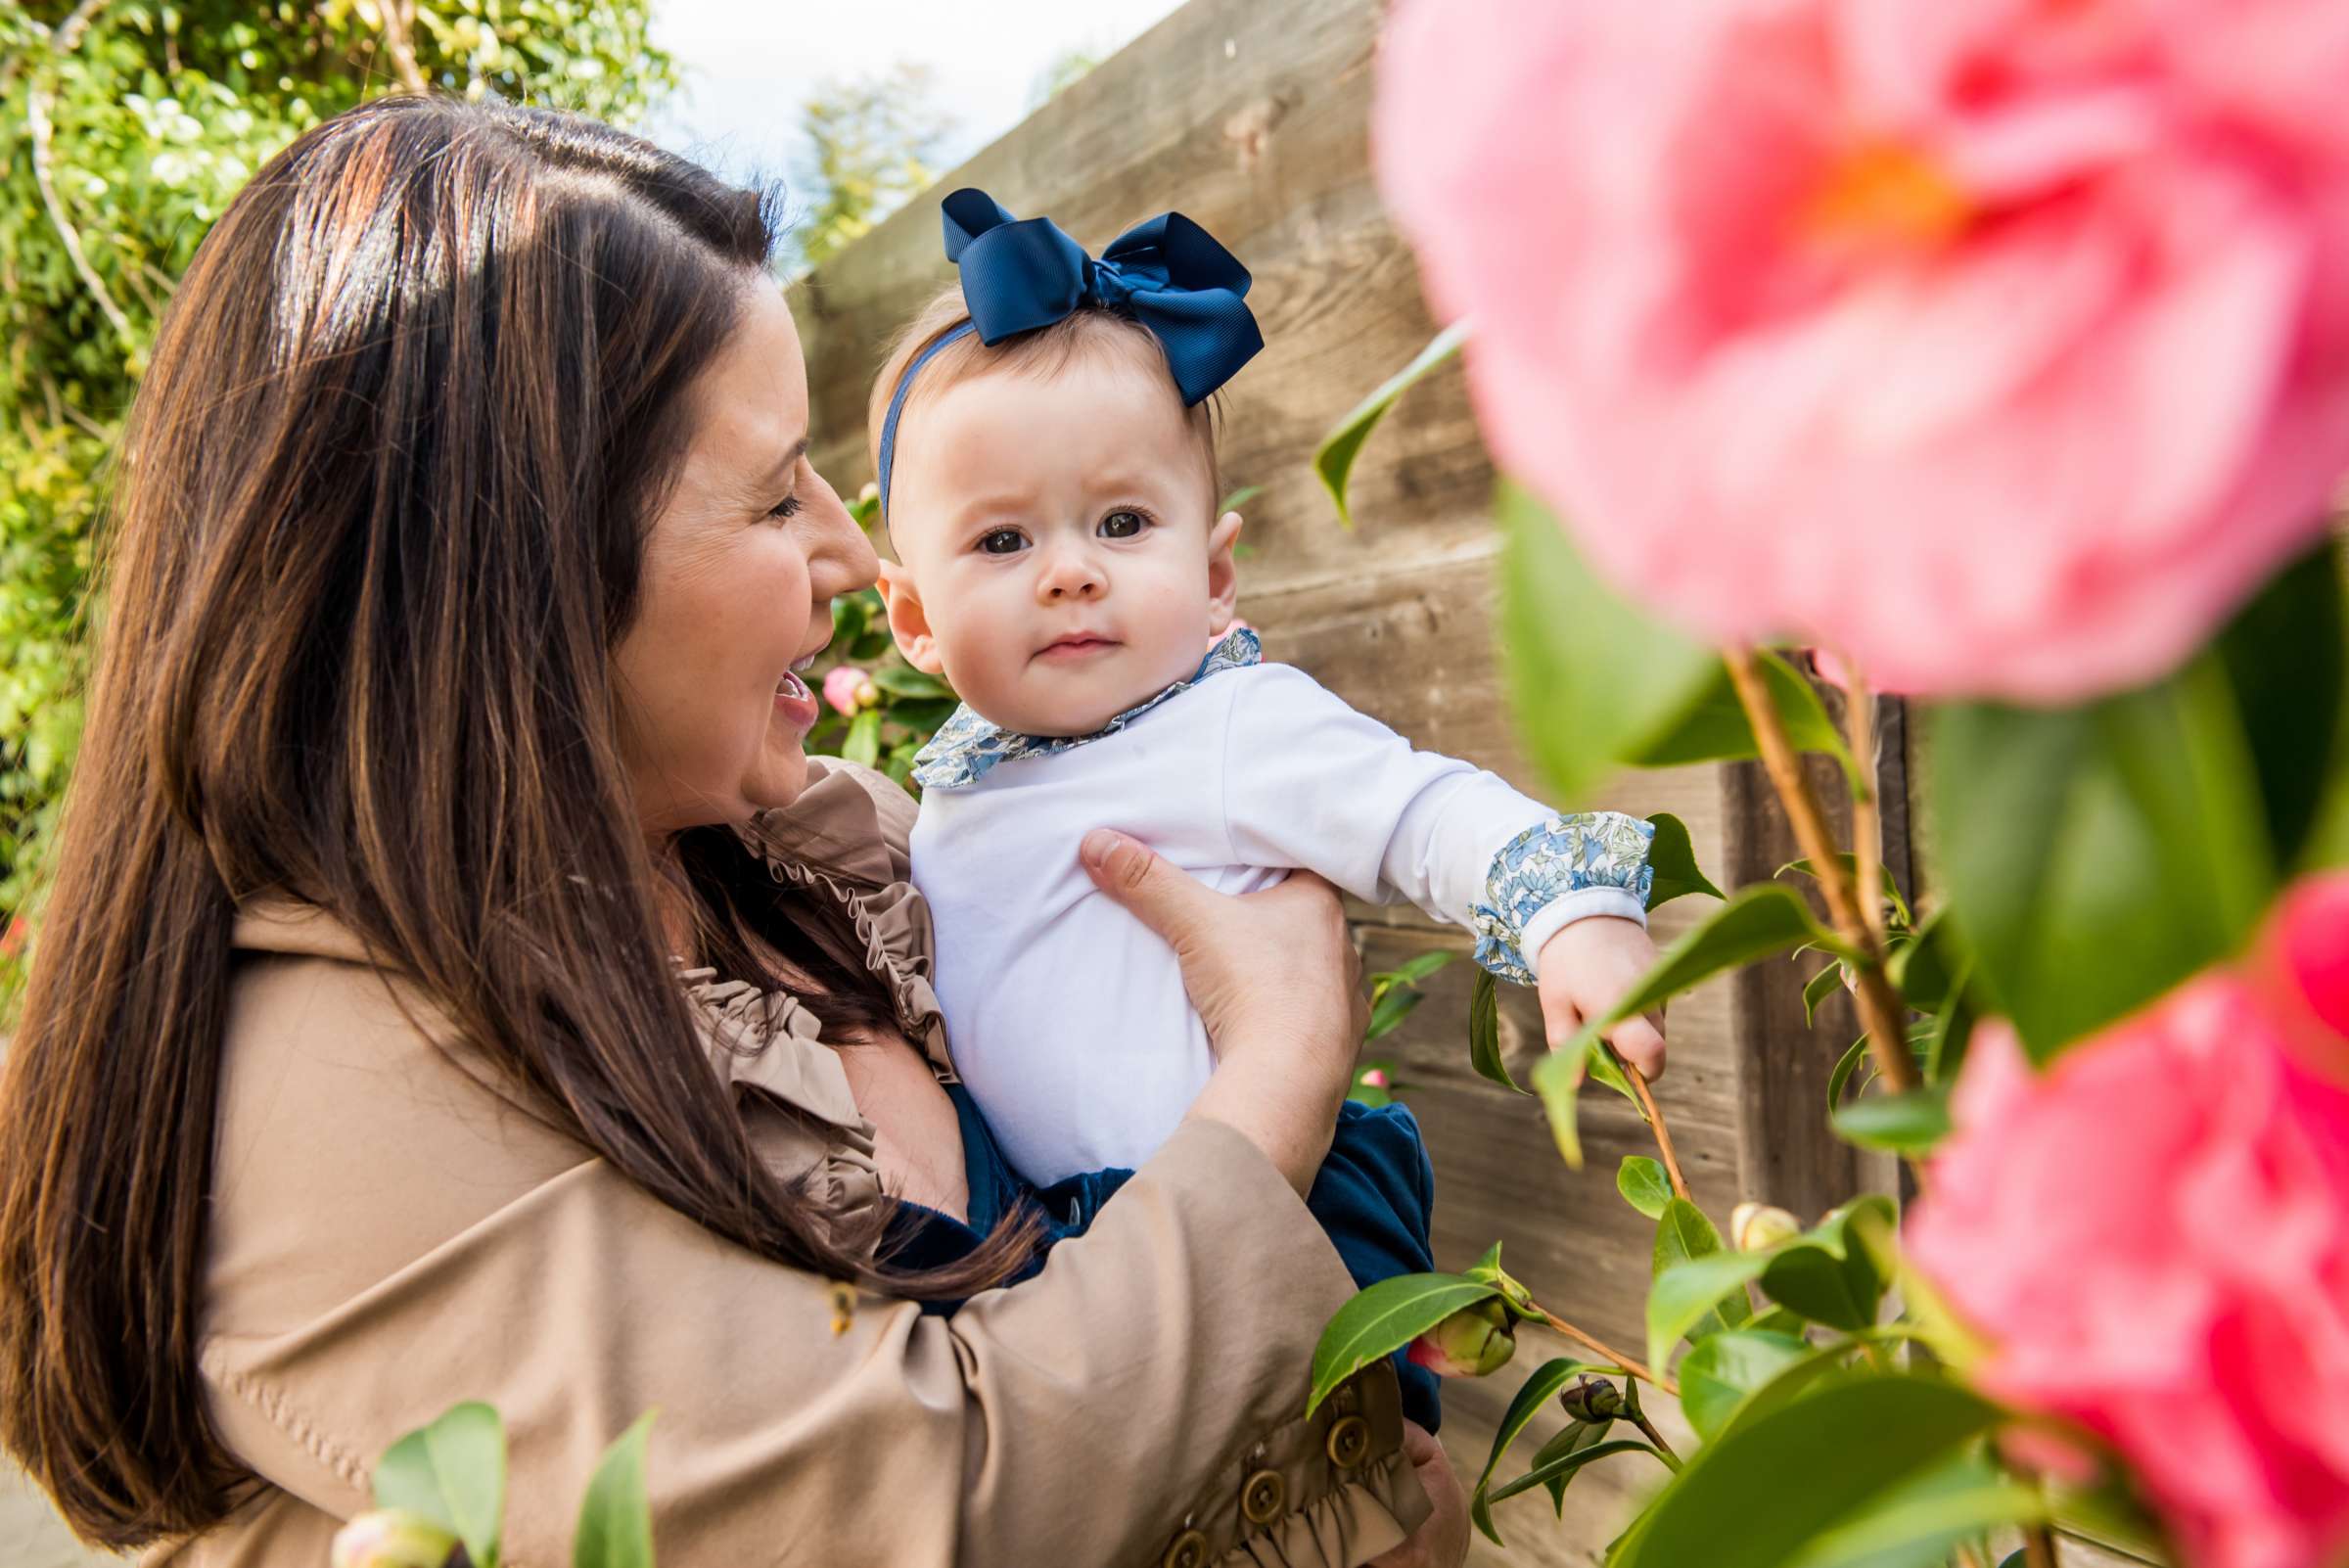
(747, 66)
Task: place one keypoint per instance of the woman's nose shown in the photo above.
(841, 558)
(1070, 573)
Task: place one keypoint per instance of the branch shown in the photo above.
(2039, 1546)
(1600, 1346)
(396, 15)
(1879, 1008)
(1868, 817)
(1655, 1119)
(43, 132)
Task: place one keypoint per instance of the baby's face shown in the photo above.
(1058, 557)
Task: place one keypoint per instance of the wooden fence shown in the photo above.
(1253, 120)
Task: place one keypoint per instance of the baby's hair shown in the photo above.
(1046, 351)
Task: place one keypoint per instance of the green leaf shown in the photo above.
(1844, 1067)
(1484, 1031)
(1906, 1124)
(1390, 1010)
(2287, 657)
(2095, 856)
(1419, 968)
(1914, 1523)
(1715, 728)
(1607, 1069)
(1559, 1079)
(1238, 498)
(615, 1521)
(904, 680)
(1925, 967)
(1643, 1185)
(1724, 1369)
(1333, 460)
(1572, 1438)
(1952, 1030)
(1827, 983)
(1547, 1381)
(1803, 1470)
(864, 742)
(1672, 859)
(1592, 686)
(1562, 1466)
(1851, 871)
(1384, 1318)
(871, 644)
(452, 1472)
(1836, 1273)
(1684, 1296)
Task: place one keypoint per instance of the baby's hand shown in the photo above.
(1585, 969)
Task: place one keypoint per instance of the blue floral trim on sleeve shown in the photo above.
(1544, 864)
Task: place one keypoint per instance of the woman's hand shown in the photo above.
(1442, 1539)
(1275, 977)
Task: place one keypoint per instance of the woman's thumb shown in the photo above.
(1152, 890)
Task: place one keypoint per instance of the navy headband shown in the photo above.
(1167, 274)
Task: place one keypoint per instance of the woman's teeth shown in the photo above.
(791, 685)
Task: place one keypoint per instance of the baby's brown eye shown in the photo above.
(1123, 525)
(1003, 541)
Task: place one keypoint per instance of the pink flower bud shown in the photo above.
(1471, 1343)
(393, 1538)
(867, 695)
(845, 688)
(1755, 1226)
(1375, 1078)
(1591, 1398)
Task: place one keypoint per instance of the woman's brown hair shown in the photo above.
(377, 525)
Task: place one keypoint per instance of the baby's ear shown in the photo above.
(908, 621)
(1223, 574)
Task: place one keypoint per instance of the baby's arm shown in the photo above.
(1557, 900)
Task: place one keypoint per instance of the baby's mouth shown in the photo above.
(1076, 645)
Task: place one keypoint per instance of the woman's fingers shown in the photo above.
(1442, 1539)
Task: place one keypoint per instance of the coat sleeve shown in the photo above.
(1126, 1403)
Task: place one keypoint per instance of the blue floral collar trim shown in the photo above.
(967, 746)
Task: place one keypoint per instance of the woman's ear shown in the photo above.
(908, 621)
(1223, 574)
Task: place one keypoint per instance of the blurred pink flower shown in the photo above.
(844, 688)
(1375, 1076)
(2001, 345)
(1474, 1342)
(2154, 1236)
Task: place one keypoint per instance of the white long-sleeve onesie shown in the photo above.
(1066, 1017)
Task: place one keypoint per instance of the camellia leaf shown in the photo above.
(1916, 1523)
(1572, 1438)
(1417, 969)
(2287, 657)
(1827, 983)
(864, 742)
(1715, 728)
(615, 1521)
(1801, 1471)
(1643, 1185)
(902, 680)
(1684, 1296)
(1384, 1318)
(1906, 1124)
(1538, 1390)
(1561, 1465)
(1333, 459)
(1672, 859)
(1484, 1032)
(1845, 1065)
(1390, 1010)
(1724, 1369)
(2069, 840)
(452, 1472)
(1593, 686)
(1559, 1079)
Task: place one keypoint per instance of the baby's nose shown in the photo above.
(1073, 575)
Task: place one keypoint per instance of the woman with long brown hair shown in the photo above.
(456, 981)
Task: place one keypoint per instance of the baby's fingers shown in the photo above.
(1640, 1042)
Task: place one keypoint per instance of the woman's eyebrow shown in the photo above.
(787, 462)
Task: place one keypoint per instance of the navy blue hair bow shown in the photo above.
(1019, 274)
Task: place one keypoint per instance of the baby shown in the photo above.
(1047, 462)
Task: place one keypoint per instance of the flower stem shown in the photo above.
(1880, 1009)
(2039, 1546)
(1868, 814)
(1600, 1346)
(1663, 1449)
(1655, 1119)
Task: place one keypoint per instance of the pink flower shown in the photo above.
(1375, 1078)
(845, 688)
(392, 1538)
(2001, 345)
(2154, 1235)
